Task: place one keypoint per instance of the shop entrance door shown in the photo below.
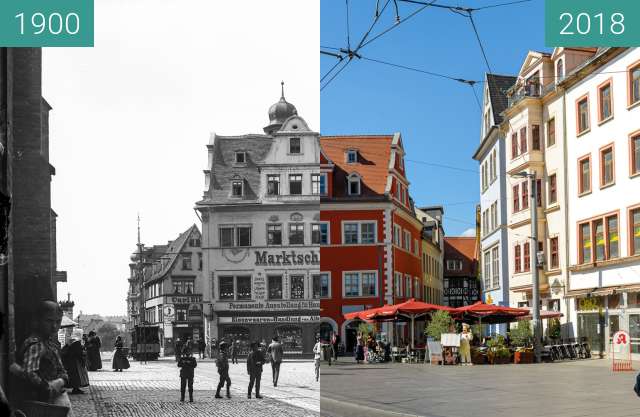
(591, 326)
(351, 335)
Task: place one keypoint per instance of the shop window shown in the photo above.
(274, 234)
(297, 287)
(275, 287)
(243, 288)
(291, 338)
(241, 336)
(225, 287)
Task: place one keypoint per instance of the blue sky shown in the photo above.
(439, 119)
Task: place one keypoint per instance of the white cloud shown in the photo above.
(470, 232)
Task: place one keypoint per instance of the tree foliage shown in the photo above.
(440, 323)
(108, 333)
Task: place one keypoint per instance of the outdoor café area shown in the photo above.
(419, 332)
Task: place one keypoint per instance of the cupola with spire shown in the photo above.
(279, 112)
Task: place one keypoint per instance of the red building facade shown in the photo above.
(371, 248)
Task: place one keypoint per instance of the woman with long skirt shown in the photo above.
(120, 360)
(93, 345)
(74, 360)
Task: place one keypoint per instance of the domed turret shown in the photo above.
(279, 112)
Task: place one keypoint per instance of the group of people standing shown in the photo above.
(258, 356)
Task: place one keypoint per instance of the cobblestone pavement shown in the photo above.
(584, 388)
(153, 390)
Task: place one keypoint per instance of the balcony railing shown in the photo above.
(531, 89)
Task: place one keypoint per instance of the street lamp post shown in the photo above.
(533, 255)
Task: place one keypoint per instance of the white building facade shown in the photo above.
(261, 233)
(491, 154)
(603, 158)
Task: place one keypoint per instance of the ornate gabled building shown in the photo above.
(261, 233)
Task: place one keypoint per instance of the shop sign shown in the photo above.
(465, 292)
(267, 305)
(621, 341)
(168, 313)
(183, 299)
(269, 319)
(286, 258)
(168, 331)
(590, 303)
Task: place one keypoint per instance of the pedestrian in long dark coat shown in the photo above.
(233, 351)
(178, 348)
(186, 364)
(201, 347)
(74, 360)
(93, 346)
(120, 360)
(222, 363)
(255, 360)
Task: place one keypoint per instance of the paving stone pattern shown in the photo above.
(585, 388)
(153, 390)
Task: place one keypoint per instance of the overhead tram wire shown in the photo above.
(348, 30)
(435, 74)
(398, 23)
(465, 9)
(336, 74)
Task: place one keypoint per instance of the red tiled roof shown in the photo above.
(372, 165)
(462, 248)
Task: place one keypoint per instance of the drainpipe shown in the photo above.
(566, 211)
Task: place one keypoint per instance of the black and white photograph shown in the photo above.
(160, 209)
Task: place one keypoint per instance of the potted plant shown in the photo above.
(498, 353)
(521, 337)
(440, 323)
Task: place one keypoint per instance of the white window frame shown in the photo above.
(359, 274)
(320, 224)
(323, 179)
(349, 154)
(359, 223)
(354, 178)
(316, 183)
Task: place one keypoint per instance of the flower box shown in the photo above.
(523, 357)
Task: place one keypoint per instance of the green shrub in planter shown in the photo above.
(522, 335)
(440, 323)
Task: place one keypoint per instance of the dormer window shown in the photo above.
(237, 187)
(353, 183)
(352, 156)
(241, 157)
(560, 70)
(294, 146)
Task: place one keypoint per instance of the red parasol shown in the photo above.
(488, 313)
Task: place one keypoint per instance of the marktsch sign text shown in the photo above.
(284, 258)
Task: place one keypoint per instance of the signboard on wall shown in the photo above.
(183, 299)
(269, 319)
(267, 305)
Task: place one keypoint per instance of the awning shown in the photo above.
(67, 322)
(544, 314)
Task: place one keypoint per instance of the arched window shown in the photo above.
(353, 184)
(560, 70)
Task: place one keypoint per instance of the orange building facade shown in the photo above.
(371, 249)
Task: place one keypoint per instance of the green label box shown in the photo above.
(592, 23)
(41, 23)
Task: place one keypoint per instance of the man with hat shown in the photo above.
(222, 362)
(255, 360)
(276, 352)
